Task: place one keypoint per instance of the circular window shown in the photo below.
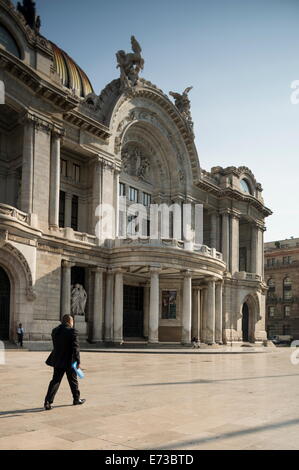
(245, 186)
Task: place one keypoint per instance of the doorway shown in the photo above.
(133, 312)
(245, 322)
(4, 305)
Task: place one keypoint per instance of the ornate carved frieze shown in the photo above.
(135, 163)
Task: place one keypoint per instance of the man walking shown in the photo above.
(65, 353)
(20, 333)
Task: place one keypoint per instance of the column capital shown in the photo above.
(178, 198)
(224, 211)
(258, 225)
(155, 269)
(97, 269)
(65, 263)
(107, 164)
(58, 132)
(117, 270)
(235, 214)
(187, 273)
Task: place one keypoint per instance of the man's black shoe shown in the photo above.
(79, 402)
(47, 406)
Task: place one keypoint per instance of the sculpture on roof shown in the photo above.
(130, 64)
(28, 10)
(182, 103)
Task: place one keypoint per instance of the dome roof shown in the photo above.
(72, 76)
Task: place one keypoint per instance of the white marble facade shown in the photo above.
(65, 152)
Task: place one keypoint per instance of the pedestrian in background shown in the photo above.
(20, 332)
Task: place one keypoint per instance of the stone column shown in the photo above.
(109, 306)
(234, 258)
(153, 336)
(95, 197)
(213, 240)
(263, 252)
(257, 249)
(177, 219)
(54, 181)
(210, 332)
(218, 313)
(27, 166)
(116, 201)
(204, 313)
(66, 288)
(118, 307)
(187, 312)
(196, 312)
(225, 239)
(97, 308)
(254, 243)
(146, 302)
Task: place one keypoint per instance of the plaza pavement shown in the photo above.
(143, 400)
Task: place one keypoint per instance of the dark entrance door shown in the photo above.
(245, 322)
(133, 312)
(4, 304)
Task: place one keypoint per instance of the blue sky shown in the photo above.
(241, 58)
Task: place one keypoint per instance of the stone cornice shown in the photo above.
(233, 194)
(87, 124)
(60, 98)
(42, 123)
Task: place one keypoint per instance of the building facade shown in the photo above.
(282, 277)
(67, 156)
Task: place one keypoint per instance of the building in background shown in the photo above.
(282, 277)
(64, 152)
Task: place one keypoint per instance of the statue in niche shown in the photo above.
(130, 64)
(78, 299)
(183, 105)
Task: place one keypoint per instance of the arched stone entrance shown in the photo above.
(249, 312)
(245, 322)
(4, 304)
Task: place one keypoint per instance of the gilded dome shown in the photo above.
(72, 76)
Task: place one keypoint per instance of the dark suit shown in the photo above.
(65, 352)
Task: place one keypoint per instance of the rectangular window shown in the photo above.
(122, 189)
(243, 259)
(132, 227)
(61, 209)
(76, 173)
(146, 199)
(286, 330)
(75, 205)
(63, 167)
(287, 310)
(133, 194)
(287, 294)
(169, 303)
(271, 311)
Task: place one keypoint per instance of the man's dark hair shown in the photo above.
(66, 319)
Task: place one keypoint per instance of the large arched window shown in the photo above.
(8, 42)
(287, 288)
(245, 186)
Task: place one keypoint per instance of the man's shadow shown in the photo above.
(14, 413)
